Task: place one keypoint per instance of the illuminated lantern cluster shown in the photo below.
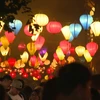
(54, 27)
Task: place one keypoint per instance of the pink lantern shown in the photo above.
(33, 60)
(39, 42)
(10, 36)
(54, 27)
(92, 47)
(65, 46)
(26, 30)
(22, 47)
(11, 61)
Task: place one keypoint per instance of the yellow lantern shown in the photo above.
(87, 56)
(1, 25)
(60, 53)
(41, 19)
(80, 50)
(95, 27)
(70, 59)
(24, 56)
(44, 57)
(35, 36)
(4, 51)
(4, 41)
(31, 48)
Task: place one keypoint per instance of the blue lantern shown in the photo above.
(75, 29)
(71, 38)
(86, 21)
(15, 26)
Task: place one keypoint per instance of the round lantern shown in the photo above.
(13, 74)
(54, 27)
(41, 19)
(95, 27)
(22, 47)
(11, 61)
(80, 50)
(65, 46)
(75, 29)
(86, 21)
(92, 47)
(25, 75)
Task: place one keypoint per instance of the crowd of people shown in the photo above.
(73, 81)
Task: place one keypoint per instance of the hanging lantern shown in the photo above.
(54, 27)
(70, 59)
(4, 51)
(87, 56)
(92, 47)
(44, 57)
(33, 60)
(26, 30)
(1, 25)
(24, 57)
(43, 51)
(4, 41)
(75, 29)
(11, 62)
(80, 50)
(13, 74)
(65, 46)
(22, 47)
(50, 70)
(31, 48)
(95, 27)
(39, 42)
(41, 19)
(34, 37)
(1, 70)
(25, 75)
(60, 53)
(15, 26)
(56, 57)
(86, 21)
(66, 32)
(10, 36)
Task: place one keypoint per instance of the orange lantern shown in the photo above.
(41, 19)
(80, 50)
(39, 42)
(54, 27)
(65, 46)
(92, 47)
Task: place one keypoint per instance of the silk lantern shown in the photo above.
(44, 57)
(42, 51)
(87, 56)
(66, 32)
(1, 25)
(80, 50)
(10, 36)
(4, 51)
(31, 48)
(65, 46)
(54, 27)
(41, 19)
(56, 57)
(86, 21)
(39, 42)
(75, 29)
(15, 26)
(22, 47)
(60, 53)
(33, 60)
(95, 27)
(92, 47)
(11, 62)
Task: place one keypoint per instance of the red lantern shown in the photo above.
(38, 76)
(92, 47)
(50, 70)
(13, 74)
(10, 36)
(35, 73)
(54, 27)
(11, 61)
(26, 30)
(51, 76)
(33, 60)
(1, 70)
(72, 50)
(22, 47)
(65, 46)
(39, 42)
(25, 75)
(56, 57)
